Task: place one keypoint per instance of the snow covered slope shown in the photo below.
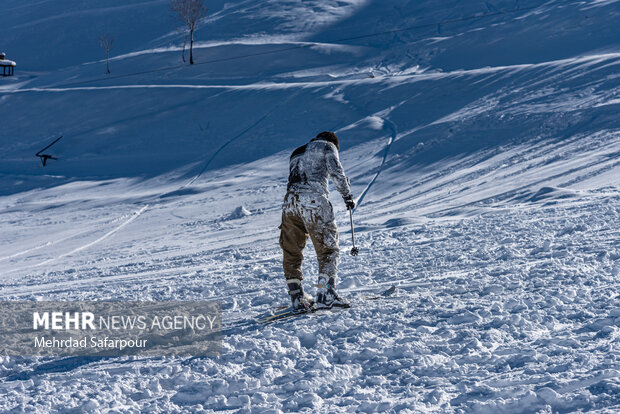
(482, 142)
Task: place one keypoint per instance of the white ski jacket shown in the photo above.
(311, 166)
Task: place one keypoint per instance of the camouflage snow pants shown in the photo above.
(306, 215)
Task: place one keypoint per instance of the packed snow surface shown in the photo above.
(483, 148)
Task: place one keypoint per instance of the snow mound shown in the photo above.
(239, 212)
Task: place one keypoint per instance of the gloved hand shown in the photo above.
(349, 202)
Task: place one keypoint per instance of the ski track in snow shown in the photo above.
(391, 139)
(134, 216)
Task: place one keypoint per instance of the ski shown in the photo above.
(292, 313)
(384, 294)
(286, 313)
(282, 312)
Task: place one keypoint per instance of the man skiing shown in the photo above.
(306, 211)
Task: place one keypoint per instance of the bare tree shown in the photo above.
(183, 33)
(106, 41)
(189, 12)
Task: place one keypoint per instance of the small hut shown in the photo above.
(7, 66)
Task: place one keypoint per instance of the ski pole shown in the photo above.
(354, 250)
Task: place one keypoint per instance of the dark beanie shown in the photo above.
(329, 136)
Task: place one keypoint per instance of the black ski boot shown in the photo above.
(301, 300)
(327, 297)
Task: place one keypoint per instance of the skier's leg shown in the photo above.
(325, 240)
(321, 226)
(324, 233)
(293, 238)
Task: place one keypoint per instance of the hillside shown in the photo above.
(482, 143)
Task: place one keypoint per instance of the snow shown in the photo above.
(483, 155)
(239, 212)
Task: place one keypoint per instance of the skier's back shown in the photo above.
(307, 212)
